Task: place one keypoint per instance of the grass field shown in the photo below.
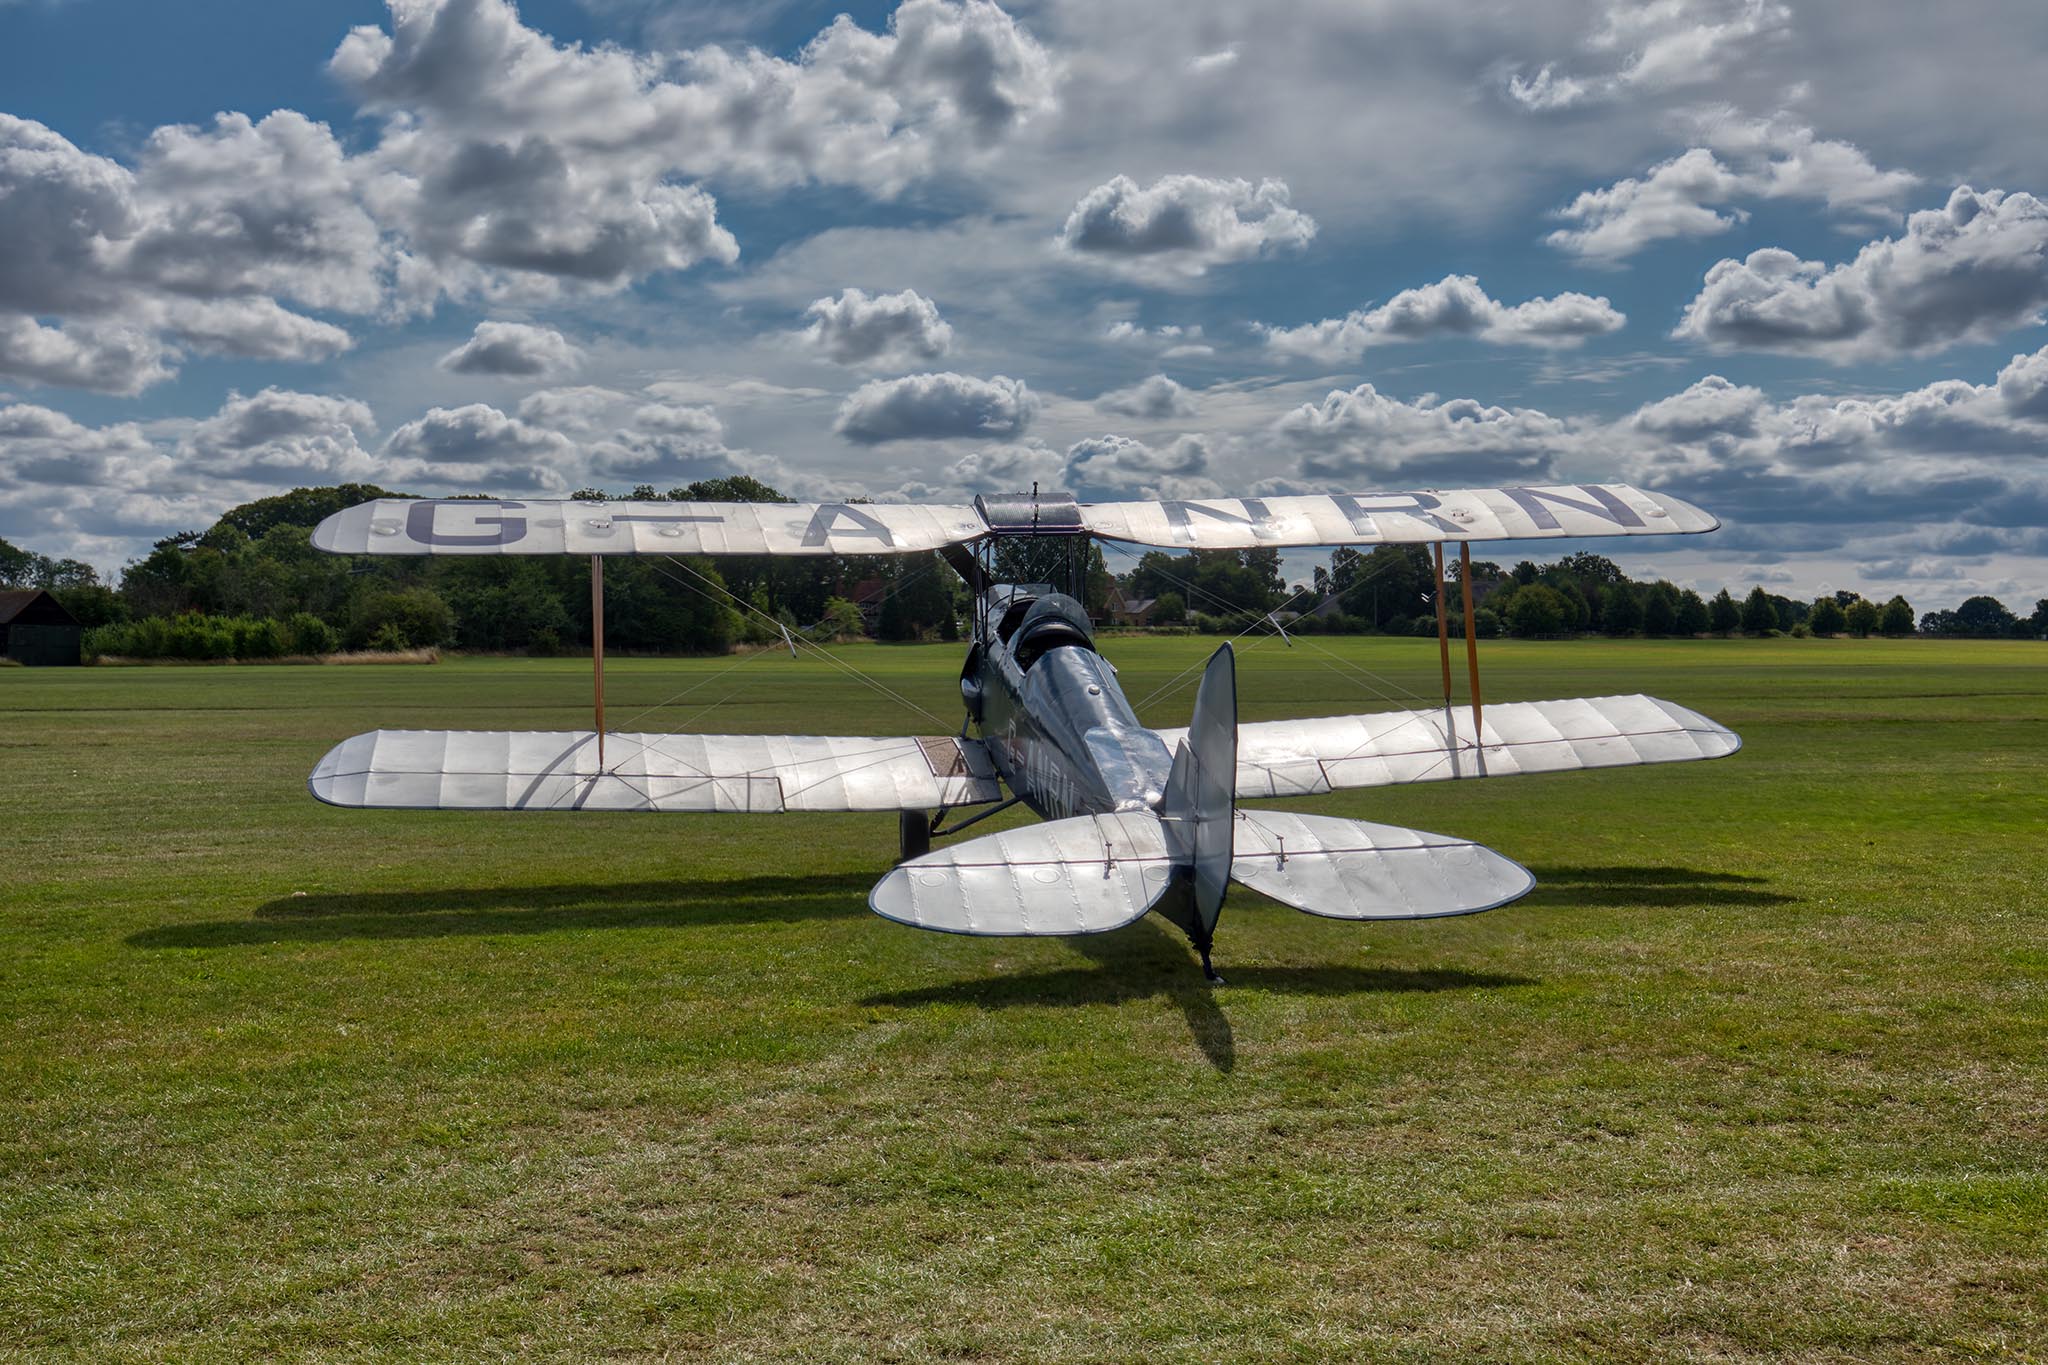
(1760, 1071)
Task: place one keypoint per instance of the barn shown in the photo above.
(35, 628)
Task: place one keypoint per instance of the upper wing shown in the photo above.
(464, 526)
(558, 770)
(1308, 757)
(1548, 511)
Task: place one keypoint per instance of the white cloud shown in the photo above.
(1156, 398)
(110, 359)
(934, 407)
(1118, 464)
(671, 419)
(947, 83)
(1009, 468)
(282, 436)
(512, 349)
(1764, 159)
(880, 330)
(479, 436)
(1454, 306)
(1660, 46)
(197, 245)
(579, 408)
(1969, 271)
(1184, 225)
(1360, 438)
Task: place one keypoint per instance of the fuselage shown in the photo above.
(1057, 723)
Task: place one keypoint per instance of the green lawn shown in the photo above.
(1760, 1071)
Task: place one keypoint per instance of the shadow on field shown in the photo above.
(458, 911)
(1147, 960)
(1653, 886)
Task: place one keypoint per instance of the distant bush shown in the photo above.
(306, 633)
(195, 636)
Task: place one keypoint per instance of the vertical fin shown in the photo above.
(1200, 805)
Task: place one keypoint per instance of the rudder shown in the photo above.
(1200, 805)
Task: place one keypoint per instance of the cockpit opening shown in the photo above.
(1053, 621)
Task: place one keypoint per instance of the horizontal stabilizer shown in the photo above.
(1093, 873)
(558, 770)
(1349, 869)
(1082, 875)
(1332, 753)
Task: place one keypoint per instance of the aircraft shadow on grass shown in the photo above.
(457, 911)
(1146, 961)
(1656, 887)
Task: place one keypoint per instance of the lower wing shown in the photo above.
(559, 770)
(1307, 757)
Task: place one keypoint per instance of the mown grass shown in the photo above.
(1757, 1073)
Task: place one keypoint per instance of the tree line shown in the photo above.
(252, 586)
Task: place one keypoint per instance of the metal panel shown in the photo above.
(1083, 875)
(403, 526)
(1350, 869)
(1525, 513)
(1200, 791)
(558, 770)
(1308, 757)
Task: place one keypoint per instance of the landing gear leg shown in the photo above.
(1208, 972)
(913, 835)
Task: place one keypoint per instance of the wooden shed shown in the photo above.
(35, 629)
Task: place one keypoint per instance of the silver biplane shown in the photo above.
(1135, 819)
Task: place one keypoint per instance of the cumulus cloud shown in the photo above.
(477, 434)
(194, 245)
(934, 407)
(1666, 45)
(578, 408)
(1691, 195)
(1156, 398)
(1178, 342)
(1008, 468)
(673, 419)
(948, 80)
(1184, 225)
(1452, 307)
(512, 349)
(110, 359)
(881, 330)
(1360, 438)
(283, 436)
(1969, 271)
(1946, 454)
(1119, 464)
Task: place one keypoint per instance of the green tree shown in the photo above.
(1693, 618)
(1897, 619)
(1170, 609)
(1621, 610)
(1759, 617)
(2039, 620)
(1723, 616)
(1827, 617)
(1660, 608)
(1985, 618)
(411, 618)
(1862, 618)
(1537, 611)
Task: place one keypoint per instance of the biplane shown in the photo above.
(1135, 820)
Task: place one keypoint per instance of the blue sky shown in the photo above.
(1780, 257)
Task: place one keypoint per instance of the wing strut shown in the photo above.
(1443, 629)
(597, 647)
(1471, 641)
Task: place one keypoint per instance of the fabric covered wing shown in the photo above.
(1351, 869)
(1307, 757)
(1528, 513)
(558, 770)
(406, 526)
